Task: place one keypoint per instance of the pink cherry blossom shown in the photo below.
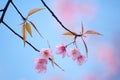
(74, 53)
(40, 64)
(46, 53)
(61, 49)
(81, 59)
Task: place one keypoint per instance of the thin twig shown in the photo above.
(56, 64)
(20, 36)
(75, 44)
(85, 46)
(1, 10)
(70, 43)
(4, 11)
(48, 44)
(1, 21)
(56, 17)
(17, 10)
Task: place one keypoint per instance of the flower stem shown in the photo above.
(56, 64)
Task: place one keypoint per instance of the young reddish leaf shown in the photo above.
(85, 47)
(92, 32)
(82, 28)
(24, 34)
(28, 28)
(34, 11)
(68, 34)
(36, 28)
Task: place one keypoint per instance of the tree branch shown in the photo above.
(56, 17)
(1, 10)
(2, 21)
(28, 42)
(4, 10)
(20, 36)
(17, 10)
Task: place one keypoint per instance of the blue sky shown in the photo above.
(16, 62)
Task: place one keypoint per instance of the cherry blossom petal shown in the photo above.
(74, 53)
(40, 64)
(61, 49)
(81, 59)
(46, 53)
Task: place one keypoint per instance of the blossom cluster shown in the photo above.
(73, 53)
(41, 63)
(46, 54)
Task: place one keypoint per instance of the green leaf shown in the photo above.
(24, 34)
(34, 11)
(28, 28)
(92, 32)
(36, 28)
